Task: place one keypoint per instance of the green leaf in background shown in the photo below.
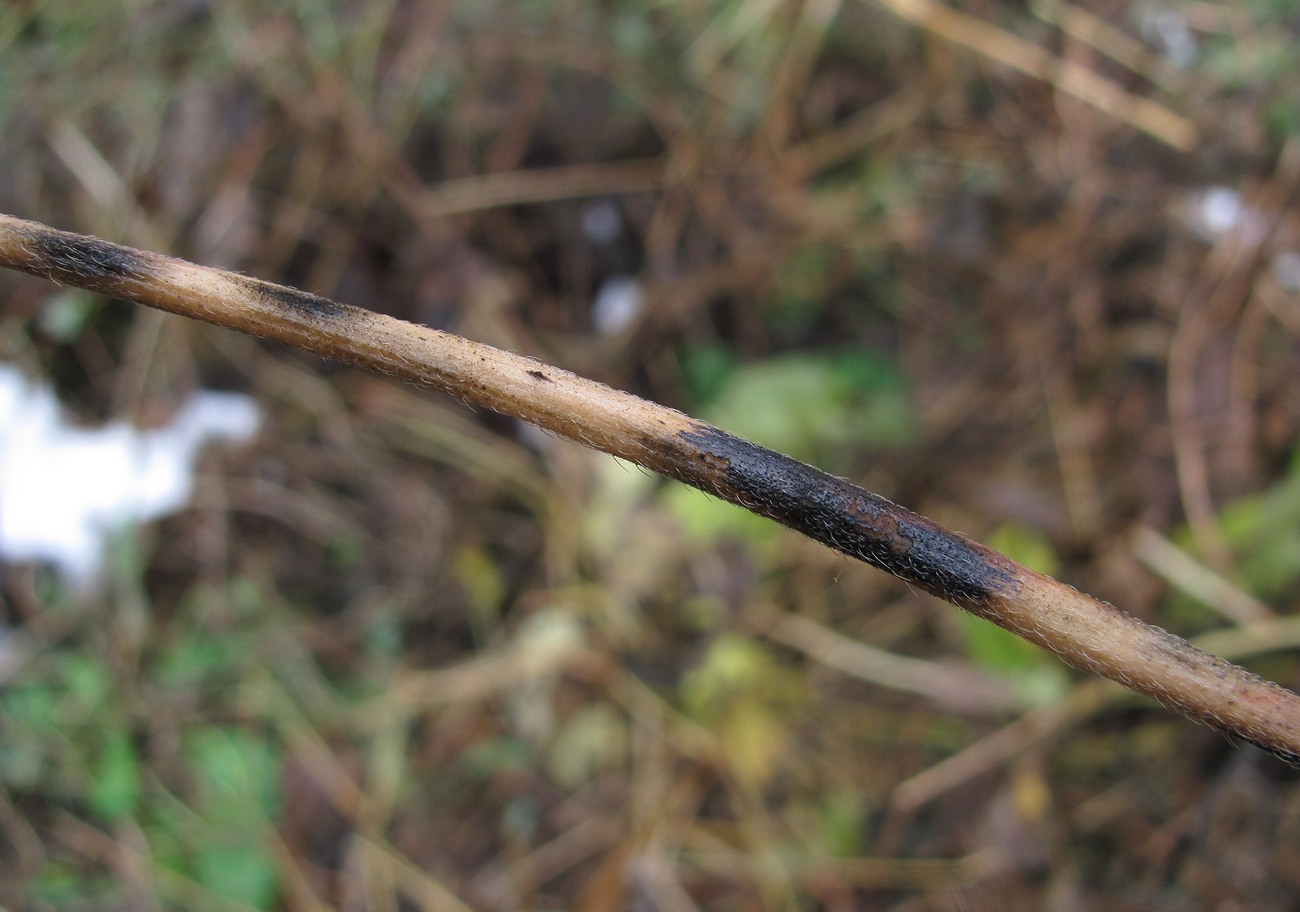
(242, 872)
(812, 407)
(1263, 530)
(843, 823)
(237, 774)
(486, 588)
(30, 705)
(196, 657)
(706, 370)
(89, 687)
(60, 886)
(743, 695)
(25, 724)
(1026, 545)
(237, 778)
(115, 780)
(752, 737)
(733, 667)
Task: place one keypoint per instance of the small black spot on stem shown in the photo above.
(848, 518)
(538, 375)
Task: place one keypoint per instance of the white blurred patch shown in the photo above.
(1217, 212)
(618, 303)
(1168, 30)
(602, 223)
(1214, 212)
(65, 489)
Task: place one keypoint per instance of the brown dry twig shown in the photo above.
(1086, 632)
(1066, 75)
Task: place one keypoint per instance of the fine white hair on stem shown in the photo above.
(1086, 632)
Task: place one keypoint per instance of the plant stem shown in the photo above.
(1086, 632)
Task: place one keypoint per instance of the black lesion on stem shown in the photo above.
(850, 519)
(280, 297)
(73, 258)
(90, 262)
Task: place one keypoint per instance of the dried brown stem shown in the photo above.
(1087, 633)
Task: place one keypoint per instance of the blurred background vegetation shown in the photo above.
(1030, 269)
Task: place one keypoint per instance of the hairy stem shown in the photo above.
(1086, 632)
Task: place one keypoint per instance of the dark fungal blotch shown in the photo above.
(73, 259)
(847, 518)
(301, 302)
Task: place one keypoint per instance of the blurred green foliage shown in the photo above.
(745, 697)
(236, 773)
(817, 407)
(77, 731)
(1263, 531)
